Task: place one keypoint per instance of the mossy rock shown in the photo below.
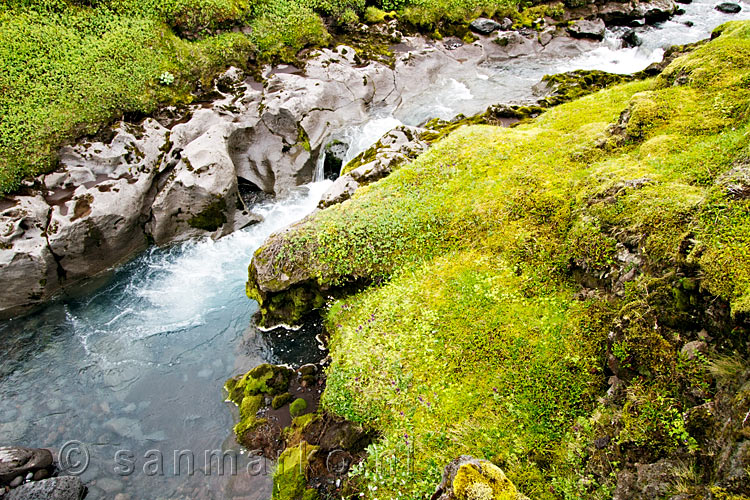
(210, 218)
(281, 400)
(267, 379)
(290, 476)
(297, 407)
(468, 478)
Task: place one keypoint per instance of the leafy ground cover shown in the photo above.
(536, 291)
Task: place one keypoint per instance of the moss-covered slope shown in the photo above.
(566, 298)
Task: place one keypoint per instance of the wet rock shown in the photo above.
(729, 7)
(588, 29)
(16, 462)
(16, 482)
(506, 24)
(453, 43)
(100, 222)
(335, 153)
(631, 39)
(56, 488)
(484, 26)
(468, 477)
(394, 148)
(546, 36)
(636, 13)
(201, 193)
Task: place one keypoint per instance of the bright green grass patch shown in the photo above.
(471, 342)
(456, 358)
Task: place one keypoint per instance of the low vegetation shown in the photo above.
(564, 298)
(70, 67)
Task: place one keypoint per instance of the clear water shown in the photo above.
(139, 363)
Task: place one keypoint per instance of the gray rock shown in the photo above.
(546, 36)
(56, 488)
(394, 148)
(484, 26)
(729, 8)
(692, 349)
(506, 24)
(516, 45)
(28, 270)
(588, 29)
(631, 39)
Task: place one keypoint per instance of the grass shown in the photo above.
(471, 339)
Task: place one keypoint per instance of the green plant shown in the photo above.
(166, 78)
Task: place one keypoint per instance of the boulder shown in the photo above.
(470, 478)
(636, 13)
(28, 270)
(56, 488)
(729, 7)
(101, 199)
(588, 29)
(394, 148)
(515, 44)
(18, 462)
(200, 194)
(484, 26)
(631, 39)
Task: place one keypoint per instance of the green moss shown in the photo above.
(297, 407)
(483, 482)
(210, 218)
(281, 400)
(495, 309)
(289, 478)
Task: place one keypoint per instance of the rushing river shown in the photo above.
(134, 369)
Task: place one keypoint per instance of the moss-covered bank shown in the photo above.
(566, 298)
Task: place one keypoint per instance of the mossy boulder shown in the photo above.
(281, 400)
(248, 392)
(468, 478)
(290, 476)
(297, 407)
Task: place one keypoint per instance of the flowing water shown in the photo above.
(134, 370)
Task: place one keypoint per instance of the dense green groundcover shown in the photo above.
(475, 339)
(69, 67)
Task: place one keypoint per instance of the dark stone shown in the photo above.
(601, 442)
(631, 39)
(16, 461)
(452, 43)
(484, 26)
(684, 2)
(56, 488)
(588, 29)
(334, 159)
(728, 7)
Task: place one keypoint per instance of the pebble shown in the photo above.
(29, 476)
(17, 481)
(41, 474)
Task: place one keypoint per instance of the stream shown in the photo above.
(132, 372)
